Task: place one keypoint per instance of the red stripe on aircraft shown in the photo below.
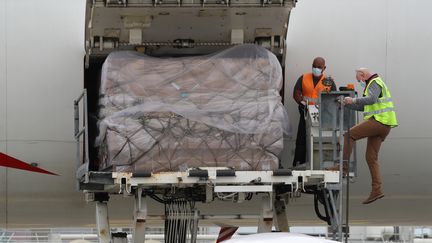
(226, 233)
(10, 162)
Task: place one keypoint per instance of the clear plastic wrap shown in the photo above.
(174, 113)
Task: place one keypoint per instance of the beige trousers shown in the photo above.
(376, 134)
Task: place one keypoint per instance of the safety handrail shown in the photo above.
(82, 160)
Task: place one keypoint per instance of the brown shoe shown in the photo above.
(373, 196)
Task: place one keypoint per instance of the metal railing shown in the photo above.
(81, 132)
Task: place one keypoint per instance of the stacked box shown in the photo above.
(169, 114)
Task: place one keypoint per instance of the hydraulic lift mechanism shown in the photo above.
(179, 191)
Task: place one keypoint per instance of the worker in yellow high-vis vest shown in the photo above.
(379, 117)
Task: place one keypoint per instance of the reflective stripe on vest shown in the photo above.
(383, 110)
(309, 90)
(388, 99)
(378, 111)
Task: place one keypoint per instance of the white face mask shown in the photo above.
(316, 72)
(362, 83)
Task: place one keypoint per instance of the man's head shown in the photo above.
(363, 74)
(318, 66)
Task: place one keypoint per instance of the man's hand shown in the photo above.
(303, 102)
(348, 101)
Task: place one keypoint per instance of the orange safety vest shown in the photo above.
(311, 92)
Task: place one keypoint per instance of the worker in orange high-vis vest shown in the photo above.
(306, 91)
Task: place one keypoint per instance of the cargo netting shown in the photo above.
(171, 114)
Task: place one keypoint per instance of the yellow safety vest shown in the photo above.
(383, 110)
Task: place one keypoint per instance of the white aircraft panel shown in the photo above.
(3, 73)
(2, 112)
(45, 67)
(399, 166)
(56, 157)
(406, 171)
(408, 65)
(406, 180)
(38, 200)
(3, 192)
(52, 197)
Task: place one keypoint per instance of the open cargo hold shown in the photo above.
(172, 114)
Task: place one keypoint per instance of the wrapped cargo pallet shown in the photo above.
(170, 114)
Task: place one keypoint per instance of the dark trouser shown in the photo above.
(300, 150)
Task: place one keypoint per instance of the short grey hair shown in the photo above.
(362, 70)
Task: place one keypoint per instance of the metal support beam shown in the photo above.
(244, 188)
(194, 226)
(281, 216)
(335, 218)
(341, 171)
(265, 223)
(102, 222)
(140, 215)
